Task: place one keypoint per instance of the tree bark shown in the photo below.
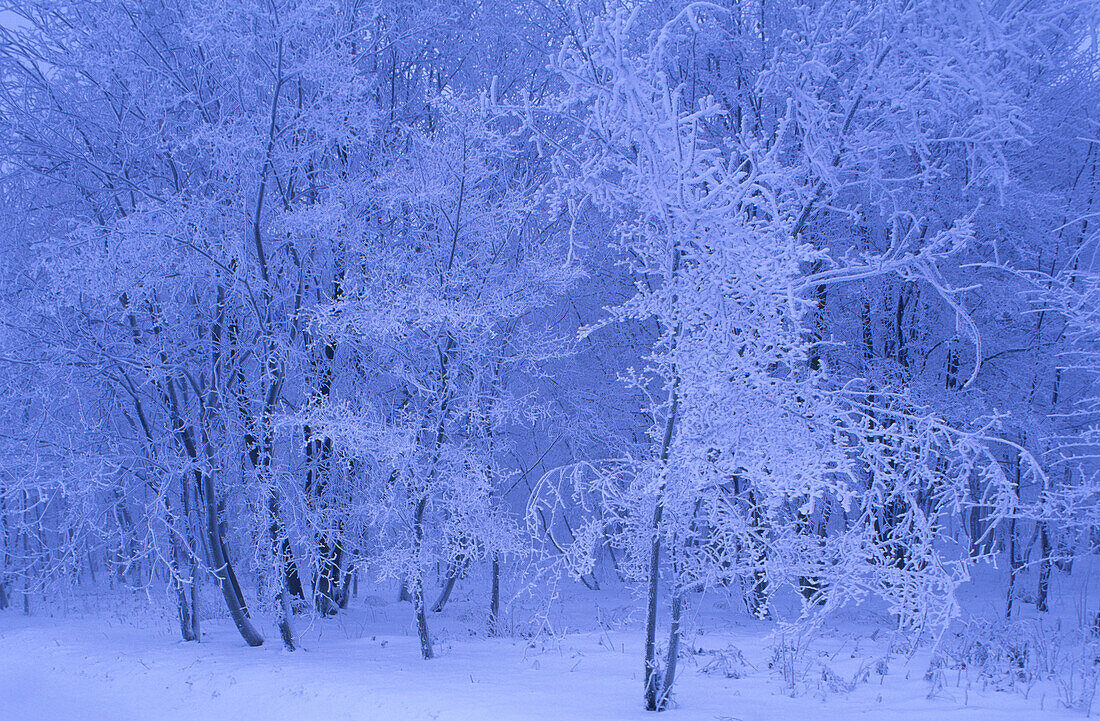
(652, 672)
(1044, 570)
(418, 583)
(673, 651)
(219, 561)
(237, 610)
(1013, 553)
(454, 570)
(494, 598)
(183, 603)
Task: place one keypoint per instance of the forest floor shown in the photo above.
(363, 665)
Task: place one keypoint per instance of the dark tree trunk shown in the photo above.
(256, 452)
(418, 583)
(673, 652)
(326, 587)
(293, 580)
(222, 569)
(1044, 570)
(187, 626)
(219, 560)
(196, 626)
(183, 603)
(455, 570)
(422, 620)
(445, 593)
(756, 600)
(345, 589)
(231, 574)
(27, 555)
(1013, 568)
(811, 587)
(494, 598)
(191, 527)
(282, 598)
(319, 468)
(652, 673)
(1014, 563)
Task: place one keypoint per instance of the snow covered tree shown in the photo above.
(732, 213)
(447, 269)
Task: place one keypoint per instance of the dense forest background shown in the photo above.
(752, 297)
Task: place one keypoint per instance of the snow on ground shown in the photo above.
(363, 665)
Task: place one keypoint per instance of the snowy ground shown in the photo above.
(363, 665)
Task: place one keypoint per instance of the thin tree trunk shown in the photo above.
(282, 596)
(345, 589)
(418, 583)
(187, 629)
(293, 580)
(319, 467)
(1013, 568)
(183, 603)
(190, 512)
(27, 555)
(1013, 553)
(652, 672)
(673, 651)
(422, 620)
(230, 573)
(422, 503)
(219, 560)
(448, 586)
(1044, 570)
(253, 451)
(237, 610)
(494, 598)
(756, 600)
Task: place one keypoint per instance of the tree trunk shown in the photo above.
(652, 673)
(26, 555)
(345, 589)
(673, 652)
(230, 573)
(326, 585)
(1013, 568)
(1013, 553)
(254, 451)
(192, 527)
(293, 580)
(422, 619)
(1044, 570)
(204, 483)
(282, 596)
(448, 586)
(756, 601)
(494, 598)
(183, 603)
(221, 567)
(418, 582)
